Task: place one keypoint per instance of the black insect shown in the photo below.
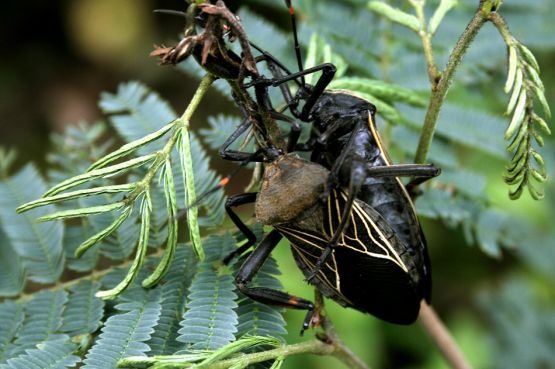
(371, 269)
(374, 259)
(350, 220)
(344, 139)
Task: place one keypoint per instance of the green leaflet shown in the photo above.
(394, 14)
(130, 147)
(442, 9)
(99, 236)
(84, 311)
(523, 83)
(100, 173)
(43, 320)
(11, 317)
(210, 321)
(123, 335)
(174, 295)
(200, 358)
(76, 213)
(171, 204)
(12, 274)
(53, 354)
(114, 189)
(184, 147)
(382, 90)
(146, 209)
(38, 245)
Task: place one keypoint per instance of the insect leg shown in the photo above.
(234, 155)
(328, 71)
(412, 186)
(422, 171)
(234, 201)
(252, 265)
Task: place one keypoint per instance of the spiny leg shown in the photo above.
(234, 201)
(252, 265)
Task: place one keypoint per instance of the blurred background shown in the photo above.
(59, 56)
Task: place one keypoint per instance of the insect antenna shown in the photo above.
(171, 12)
(295, 38)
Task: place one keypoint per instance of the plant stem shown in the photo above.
(439, 90)
(316, 347)
(499, 23)
(442, 338)
(181, 131)
(94, 275)
(310, 347)
(164, 153)
(331, 337)
(426, 38)
(341, 351)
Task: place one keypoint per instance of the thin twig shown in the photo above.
(502, 27)
(342, 352)
(426, 37)
(439, 91)
(440, 335)
(315, 347)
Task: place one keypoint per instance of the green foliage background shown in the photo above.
(492, 258)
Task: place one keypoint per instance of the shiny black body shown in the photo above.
(371, 269)
(357, 143)
(326, 246)
(345, 141)
(349, 219)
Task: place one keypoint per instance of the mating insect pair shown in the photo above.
(349, 219)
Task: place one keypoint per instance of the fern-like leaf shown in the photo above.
(39, 245)
(124, 334)
(73, 237)
(471, 128)
(12, 274)
(137, 112)
(11, 317)
(205, 179)
(75, 149)
(55, 354)
(159, 218)
(405, 139)
(174, 294)
(83, 311)
(210, 321)
(524, 84)
(122, 242)
(521, 324)
(489, 228)
(221, 127)
(43, 320)
(350, 39)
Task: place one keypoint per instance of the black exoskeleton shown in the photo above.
(372, 269)
(349, 219)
